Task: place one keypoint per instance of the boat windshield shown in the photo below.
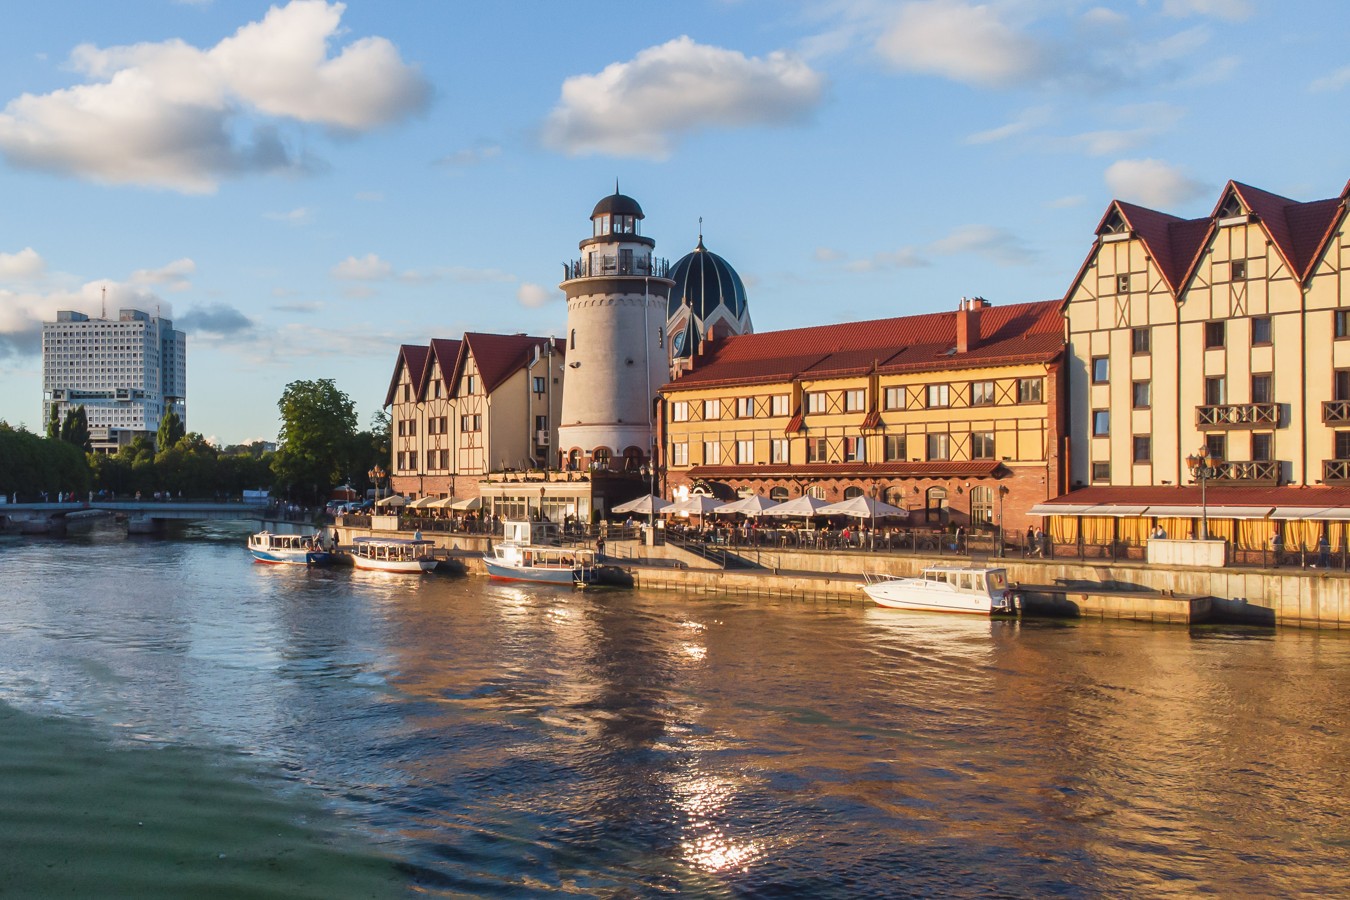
(998, 580)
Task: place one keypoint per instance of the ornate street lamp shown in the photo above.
(376, 473)
(1203, 466)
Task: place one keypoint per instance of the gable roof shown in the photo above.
(499, 356)
(413, 358)
(1296, 229)
(443, 353)
(1009, 335)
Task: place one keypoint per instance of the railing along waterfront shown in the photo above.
(597, 266)
(1238, 415)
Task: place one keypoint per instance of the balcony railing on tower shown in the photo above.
(1238, 415)
(598, 266)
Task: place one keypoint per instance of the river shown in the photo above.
(177, 720)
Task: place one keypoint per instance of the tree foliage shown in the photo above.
(171, 430)
(318, 439)
(31, 465)
(75, 428)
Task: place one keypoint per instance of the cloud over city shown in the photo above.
(170, 115)
(1152, 183)
(645, 107)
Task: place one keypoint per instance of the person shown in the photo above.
(960, 534)
(1323, 552)
(600, 547)
(417, 535)
(1033, 545)
(1277, 546)
(1158, 533)
(1045, 543)
(1037, 540)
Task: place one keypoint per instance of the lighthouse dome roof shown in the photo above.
(617, 204)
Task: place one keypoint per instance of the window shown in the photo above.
(470, 423)
(745, 407)
(1029, 390)
(778, 450)
(1342, 324)
(1262, 392)
(745, 452)
(1262, 447)
(817, 491)
(938, 397)
(778, 406)
(679, 454)
(572, 343)
(817, 450)
(895, 398)
(412, 428)
(1214, 334)
(539, 382)
(895, 447)
(1142, 395)
(1122, 284)
(939, 446)
(778, 494)
(679, 411)
(541, 423)
(855, 400)
(1141, 341)
(712, 410)
(1101, 471)
(1238, 270)
(816, 402)
(470, 383)
(712, 453)
(1261, 330)
(1143, 448)
(982, 505)
(855, 449)
(1341, 386)
(1216, 446)
(982, 393)
(1101, 369)
(982, 445)
(412, 460)
(1101, 423)
(1214, 391)
(402, 427)
(1343, 445)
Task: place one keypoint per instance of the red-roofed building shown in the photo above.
(954, 416)
(1227, 335)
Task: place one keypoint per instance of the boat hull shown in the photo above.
(958, 604)
(406, 567)
(503, 572)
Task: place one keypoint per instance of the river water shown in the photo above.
(175, 720)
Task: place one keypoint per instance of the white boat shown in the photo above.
(531, 551)
(287, 549)
(964, 589)
(393, 554)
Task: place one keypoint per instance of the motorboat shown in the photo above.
(965, 589)
(531, 551)
(288, 549)
(393, 554)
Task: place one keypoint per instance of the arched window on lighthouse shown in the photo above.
(573, 344)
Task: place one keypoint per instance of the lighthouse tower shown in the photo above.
(617, 294)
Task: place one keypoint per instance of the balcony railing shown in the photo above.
(1336, 412)
(601, 266)
(1262, 471)
(1335, 470)
(1238, 415)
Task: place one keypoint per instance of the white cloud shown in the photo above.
(1101, 17)
(367, 268)
(1025, 121)
(173, 276)
(1144, 122)
(23, 312)
(533, 296)
(1229, 10)
(644, 107)
(25, 265)
(175, 116)
(962, 41)
(829, 254)
(995, 244)
(471, 156)
(1152, 183)
(301, 215)
(1333, 81)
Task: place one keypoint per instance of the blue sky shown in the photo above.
(303, 187)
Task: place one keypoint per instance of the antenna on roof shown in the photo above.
(616, 185)
(103, 314)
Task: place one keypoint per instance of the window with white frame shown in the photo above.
(778, 450)
(939, 446)
(855, 400)
(895, 398)
(679, 411)
(938, 396)
(817, 402)
(778, 406)
(712, 453)
(679, 453)
(745, 452)
(712, 410)
(745, 407)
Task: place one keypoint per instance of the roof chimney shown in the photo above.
(968, 323)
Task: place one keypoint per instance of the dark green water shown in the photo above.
(176, 721)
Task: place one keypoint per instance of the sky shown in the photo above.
(302, 187)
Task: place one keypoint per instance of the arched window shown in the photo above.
(982, 505)
(574, 460)
(851, 492)
(817, 491)
(935, 510)
(600, 458)
(778, 494)
(573, 344)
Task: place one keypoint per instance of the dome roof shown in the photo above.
(617, 204)
(706, 281)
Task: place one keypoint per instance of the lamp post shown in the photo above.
(1203, 466)
(376, 473)
(1002, 490)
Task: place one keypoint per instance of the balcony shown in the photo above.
(1336, 471)
(1336, 412)
(596, 266)
(1238, 415)
(1255, 472)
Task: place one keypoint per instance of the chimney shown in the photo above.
(968, 323)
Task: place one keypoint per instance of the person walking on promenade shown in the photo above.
(1032, 545)
(1323, 553)
(1277, 547)
(600, 547)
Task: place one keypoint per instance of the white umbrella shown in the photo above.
(862, 507)
(647, 504)
(805, 506)
(443, 503)
(392, 500)
(471, 503)
(752, 505)
(696, 505)
(422, 503)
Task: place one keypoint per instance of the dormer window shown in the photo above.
(1115, 228)
(1231, 208)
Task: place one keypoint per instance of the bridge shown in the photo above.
(141, 515)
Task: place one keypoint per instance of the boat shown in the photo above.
(393, 554)
(965, 589)
(287, 549)
(531, 551)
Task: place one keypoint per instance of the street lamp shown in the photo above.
(1002, 490)
(376, 473)
(1203, 466)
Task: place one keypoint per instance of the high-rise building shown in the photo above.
(126, 373)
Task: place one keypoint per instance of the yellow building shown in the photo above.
(952, 416)
(1224, 338)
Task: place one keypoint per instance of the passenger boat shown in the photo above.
(531, 551)
(963, 589)
(287, 549)
(393, 554)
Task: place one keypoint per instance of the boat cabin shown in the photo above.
(968, 580)
(532, 531)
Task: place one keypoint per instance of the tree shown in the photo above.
(75, 429)
(318, 423)
(170, 431)
(54, 422)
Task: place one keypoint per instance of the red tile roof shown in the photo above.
(1296, 229)
(412, 358)
(1009, 335)
(444, 353)
(936, 469)
(499, 356)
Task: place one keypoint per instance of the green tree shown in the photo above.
(75, 429)
(54, 422)
(170, 431)
(318, 425)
